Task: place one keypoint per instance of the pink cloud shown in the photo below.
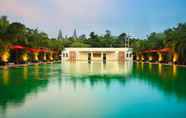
(52, 15)
(20, 9)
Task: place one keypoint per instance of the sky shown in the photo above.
(138, 18)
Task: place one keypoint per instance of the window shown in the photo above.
(63, 54)
(97, 55)
(130, 54)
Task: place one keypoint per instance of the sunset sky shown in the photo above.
(137, 17)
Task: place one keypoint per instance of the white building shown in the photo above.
(97, 54)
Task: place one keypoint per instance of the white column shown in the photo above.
(117, 55)
(102, 56)
(102, 69)
(77, 55)
(91, 56)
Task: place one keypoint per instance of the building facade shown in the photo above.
(97, 54)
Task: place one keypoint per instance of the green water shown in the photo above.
(96, 90)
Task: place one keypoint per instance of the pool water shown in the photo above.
(95, 90)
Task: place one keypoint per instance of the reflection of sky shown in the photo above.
(132, 100)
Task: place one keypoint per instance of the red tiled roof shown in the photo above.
(160, 50)
(33, 50)
(17, 47)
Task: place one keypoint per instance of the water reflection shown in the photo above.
(17, 84)
(168, 79)
(96, 72)
(174, 69)
(96, 68)
(36, 71)
(25, 72)
(160, 68)
(5, 75)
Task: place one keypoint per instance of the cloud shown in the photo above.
(85, 9)
(20, 8)
(55, 14)
(52, 15)
(85, 15)
(74, 12)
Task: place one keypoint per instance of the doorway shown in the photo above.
(89, 57)
(104, 57)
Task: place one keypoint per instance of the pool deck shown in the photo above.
(169, 64)
(28, 64)
(39, 63)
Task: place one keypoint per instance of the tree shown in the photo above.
(16, 33)
(79, 44)
(122, 37)
(176, 40)
(4, 23)
(107, 34)
(82, 37)
(155, 40)
(93, 35)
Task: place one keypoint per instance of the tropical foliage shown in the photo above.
(173, 38)
(17, 33)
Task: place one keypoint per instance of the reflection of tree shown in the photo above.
(166, 80)
(16, 92)
(96, 79)
(21, 84)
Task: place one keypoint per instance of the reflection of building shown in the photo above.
(96, 68)
(97, 54)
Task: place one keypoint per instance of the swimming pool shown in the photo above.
(96, 90)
